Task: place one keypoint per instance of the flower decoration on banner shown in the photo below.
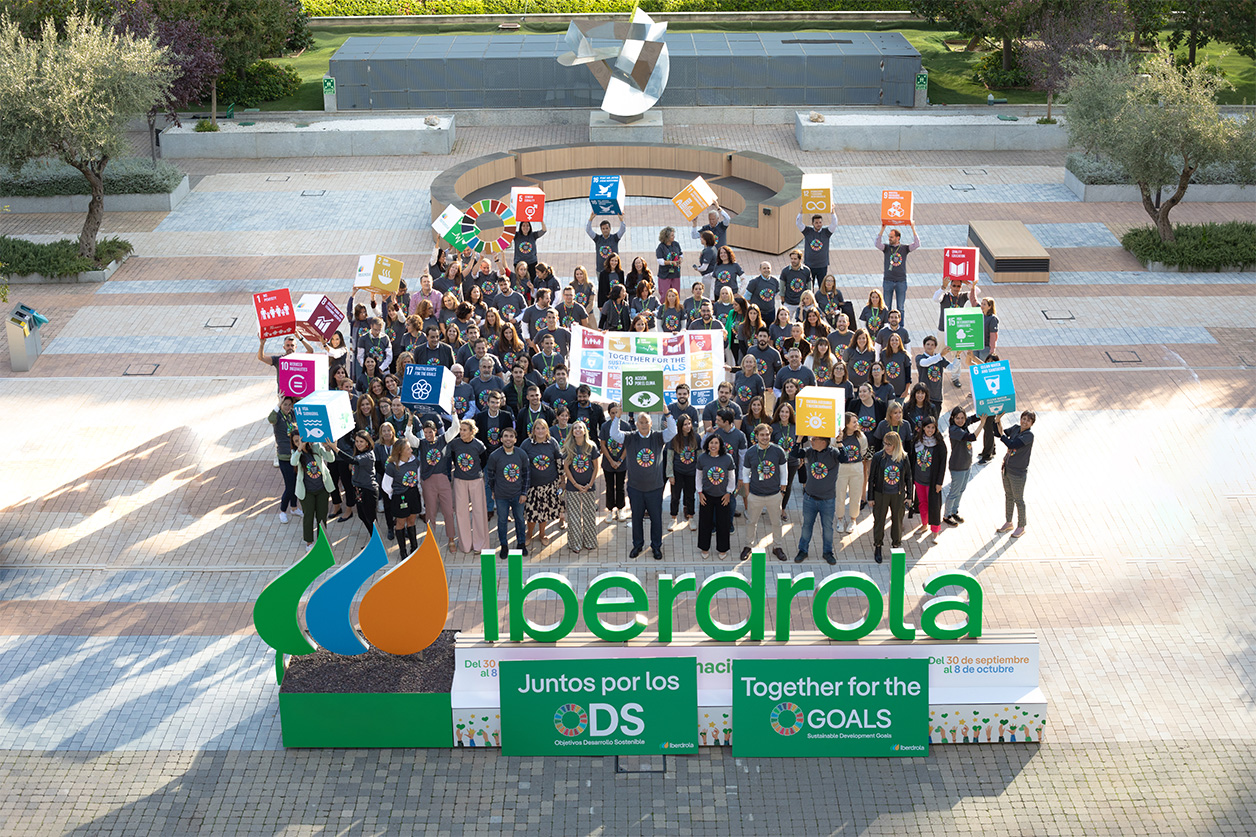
(402, 613)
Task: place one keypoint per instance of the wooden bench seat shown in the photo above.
(1009, 251)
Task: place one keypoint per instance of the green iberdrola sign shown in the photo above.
(831, 707)
(965, 329)
(599, 707)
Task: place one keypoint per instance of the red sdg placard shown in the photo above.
(959, 263)
(275, 314)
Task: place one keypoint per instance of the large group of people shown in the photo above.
(526, 445)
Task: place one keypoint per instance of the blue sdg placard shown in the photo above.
(428, 386)
(993, 390)
(606, 194)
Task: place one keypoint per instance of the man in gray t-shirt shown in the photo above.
(643, 456)
(818, 496)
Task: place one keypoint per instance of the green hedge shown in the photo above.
(349, 8)
(20, 257)
(1196, 246)
(1100, 171)
(125, 176)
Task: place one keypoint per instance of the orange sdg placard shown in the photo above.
(895, 206)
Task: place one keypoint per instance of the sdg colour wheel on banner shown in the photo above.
(799, 707)
(476, 236)
(599, 707)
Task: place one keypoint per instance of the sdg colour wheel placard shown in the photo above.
(472, 234)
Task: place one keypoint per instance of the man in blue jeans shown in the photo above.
(506, 475)
(643, 454)
(894, 275)
(818, 497)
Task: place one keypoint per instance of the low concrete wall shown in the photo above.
(113, 203)
(388, 137)
(89, 276)
(921, 132)
(1196, 193)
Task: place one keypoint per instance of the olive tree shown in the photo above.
(71, 96)
(1160, 126)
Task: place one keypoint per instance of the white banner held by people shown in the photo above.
(598, 359)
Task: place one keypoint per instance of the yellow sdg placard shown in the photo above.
(818, 411)
(817, 193)
(379, 273)
(694, 199)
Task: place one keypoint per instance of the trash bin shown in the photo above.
(23, 327)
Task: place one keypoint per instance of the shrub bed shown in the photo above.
(20, 257)
(262, 82)
(1103, 172)
(1196, 246)
(338, 8)
(125, 176)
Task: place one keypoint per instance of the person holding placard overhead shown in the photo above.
(894, 273)
(643, 456)
(815, 239)
(717, 225)
(953, 297)
(525, 244)
(604, 241)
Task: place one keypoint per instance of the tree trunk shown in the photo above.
(1049, 94)
(152, 137)
(1160, 214)
(1190, 44)
(1007, 52)
(213, 102)
(95, 208)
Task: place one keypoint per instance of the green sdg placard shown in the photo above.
(643, 390)
(965, 329)
(831, 707)
(599, 707)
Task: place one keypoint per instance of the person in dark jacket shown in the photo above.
(1020, 445)
(960, 462)
(929, 471)
(889, 479)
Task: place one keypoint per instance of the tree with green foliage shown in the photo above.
(1160, 128)
(1201, 22)
(71, 96)
(1003, 20)
(1145, 19)
(245, 32)
(1062, 37)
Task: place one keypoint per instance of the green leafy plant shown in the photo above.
(989, 72)
(126, 176)
(1196, 246)
(60, 258)
(1047, 120)
(262, 82)
(1100, 171)
(205, 126)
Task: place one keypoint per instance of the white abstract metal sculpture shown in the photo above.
(633, 74)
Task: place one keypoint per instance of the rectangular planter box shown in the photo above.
(925, 133)
(90, 276)
(1196, 193)
(163, 202)
(351, 138)
(365, 720)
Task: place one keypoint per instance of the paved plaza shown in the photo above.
(138, 524)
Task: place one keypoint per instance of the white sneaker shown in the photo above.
(276, 462)
(379, 505)
(296, 511)
(693, 524)
(283, 517)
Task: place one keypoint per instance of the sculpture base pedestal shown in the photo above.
(649, 128)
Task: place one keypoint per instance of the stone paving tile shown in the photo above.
(333, 210)
(1056, 788)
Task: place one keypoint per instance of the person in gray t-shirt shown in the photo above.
(821, 462)
(643, 456)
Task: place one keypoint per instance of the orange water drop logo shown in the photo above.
(404, 612)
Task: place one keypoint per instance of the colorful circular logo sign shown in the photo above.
(893, 473)
(466, 461)
(861, 367)
(432, 456)
(410, 479)
(817, 244)
(541, 462)
(510, 473)
(786, 718)
(645, 457)
(766, 469)
(819, 470)
(571, 719)
(715, 476)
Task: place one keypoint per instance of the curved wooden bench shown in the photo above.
(762, 194)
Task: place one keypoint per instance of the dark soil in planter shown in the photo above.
(431, 671)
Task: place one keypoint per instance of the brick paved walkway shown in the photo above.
(137, 525)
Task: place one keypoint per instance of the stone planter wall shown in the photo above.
(383, 137)
(1197, 193)
(77, 278)
(921, 132)
(161, 202)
